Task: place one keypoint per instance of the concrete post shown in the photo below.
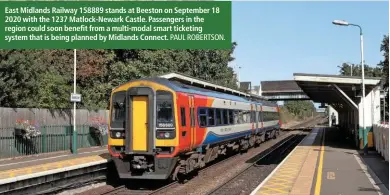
(372, 117)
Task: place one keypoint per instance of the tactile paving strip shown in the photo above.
(50, 166)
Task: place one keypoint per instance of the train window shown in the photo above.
(236, 116)
(266, 116)
(259, 116)
(225, 117)
(246, 117)
(211, 117)
(164, 108)
(231, 117)
(252, 119)
(202, 117)
(118, 112)
(241, 117)
(218, 116)
(183, 116)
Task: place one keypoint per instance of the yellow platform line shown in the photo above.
(320, 164)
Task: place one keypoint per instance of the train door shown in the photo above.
(141, 120)
(139, 115)
(185, 126)
(192, 120)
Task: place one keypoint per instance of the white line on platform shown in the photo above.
(53, 157)
(364, 168)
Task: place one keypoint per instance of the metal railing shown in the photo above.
(50, 139)
(381, 140)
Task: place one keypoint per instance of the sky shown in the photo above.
(277, 39)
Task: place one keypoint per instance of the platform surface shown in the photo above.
(343, 170)
(324, 164)
(12, 170)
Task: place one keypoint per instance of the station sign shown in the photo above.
(75, 97)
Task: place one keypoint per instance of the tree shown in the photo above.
(44, 78)
(385, 69)
(300, 109)
(385, 63)
(345, 70)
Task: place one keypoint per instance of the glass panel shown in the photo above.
(225, 117)
(164, 109)
(183, 116)
(211, 117)
(118, 112)
(218, 116)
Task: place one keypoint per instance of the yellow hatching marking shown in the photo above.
(280, 179)
(278, 184)
(284, 178)
(275, 189)
(320, 164)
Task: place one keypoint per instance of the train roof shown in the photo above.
(179, 86)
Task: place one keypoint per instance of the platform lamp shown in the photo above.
(345, 23)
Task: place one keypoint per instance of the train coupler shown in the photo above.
(141, 163)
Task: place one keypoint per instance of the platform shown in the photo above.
(323, 163)
(35, 170)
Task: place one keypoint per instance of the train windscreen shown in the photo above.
(118, 110)
(164, 109)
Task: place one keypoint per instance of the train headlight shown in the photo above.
(117, 134)
(165, 134)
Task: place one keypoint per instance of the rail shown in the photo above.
(277, 149)
(381, 140)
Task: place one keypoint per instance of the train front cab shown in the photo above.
(143, 132)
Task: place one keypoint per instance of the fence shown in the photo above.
(9, 116)
(381, 138)
(49, 139)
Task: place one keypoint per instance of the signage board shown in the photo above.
(74, 97)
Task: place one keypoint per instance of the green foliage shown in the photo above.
(345, 69)
(381, 70)
(44, 78)
(300, 109)
(385, 69)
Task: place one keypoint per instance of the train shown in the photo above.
(161, 128)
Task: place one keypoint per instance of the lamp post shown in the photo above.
(351, 65)
(74, 142)
(238, 74)
(345, 23)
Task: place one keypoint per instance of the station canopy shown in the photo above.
(333, 89)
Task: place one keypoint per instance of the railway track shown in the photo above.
(168, 188)
(124, 190)
(275, 154)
